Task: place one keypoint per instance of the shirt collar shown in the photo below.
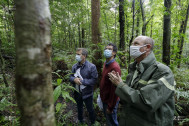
(108, 63)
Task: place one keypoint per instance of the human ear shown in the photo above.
(148, 47)
(113, 53)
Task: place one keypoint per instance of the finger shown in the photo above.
(119, 77)
(110, 75)
(111, 80)
(117, 74)
(113, 72)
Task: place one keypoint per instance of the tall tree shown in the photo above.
(96, 35)
(144, 18)
(2, 65)
(122, 25)
(33, 63)
(166, 32)
(182, 32)
(133, 25)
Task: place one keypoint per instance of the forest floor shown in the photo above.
(100, 119)
(72, 118)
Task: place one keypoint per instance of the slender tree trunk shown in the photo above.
(79, 34)
(83, 37)
(96, 35)
(122, 25)
(182, 32)
(88, 15)
(143, 18)
(133, 25)
(3, 65)
(127, 24)
(138, 23)
(166, 32)
(106, 25)
(33, 63)
(115, 34)
(151, 31)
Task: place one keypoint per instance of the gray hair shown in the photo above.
(84, 51)
(147, 40)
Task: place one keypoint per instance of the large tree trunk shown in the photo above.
(122, 25)
(166, 32)
(33, 63)
(96, 35)
(182, 32)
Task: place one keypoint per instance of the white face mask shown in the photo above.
(78, 58)
(135, 51)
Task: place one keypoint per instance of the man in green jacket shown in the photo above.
(147, 96)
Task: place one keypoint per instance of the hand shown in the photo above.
(115, 78)
(77, 81)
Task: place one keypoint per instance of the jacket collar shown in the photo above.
(144, 64)
(108, 63)
(81, 66)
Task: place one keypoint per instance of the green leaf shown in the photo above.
(58, 106)
(57, 93)
(59, 81)
(66, 96)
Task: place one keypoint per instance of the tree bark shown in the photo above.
(166, 32)
(122, 25)
(33, 63)
(138, 23)
(133, 25)
(3, 65)
(182, 32)
(106, 25)
(143, 18)
(79, 33)
(83, 37)
(96, 35)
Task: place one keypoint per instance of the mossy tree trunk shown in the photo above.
(2, 65)
(166, 32)
(182, 32)
(33, 63)
(122, 25)
(96, 35)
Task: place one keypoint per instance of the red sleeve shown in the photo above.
(113, 97)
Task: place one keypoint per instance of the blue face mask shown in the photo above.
(107, 53)
(78, 58)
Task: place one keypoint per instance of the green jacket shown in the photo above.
(149, 100)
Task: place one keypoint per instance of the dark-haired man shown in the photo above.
(107, 89)
(84, 78)
(148, 93)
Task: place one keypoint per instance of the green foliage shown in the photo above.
(63, 90)
(8, 115)
(186, 120)
(181, 93)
